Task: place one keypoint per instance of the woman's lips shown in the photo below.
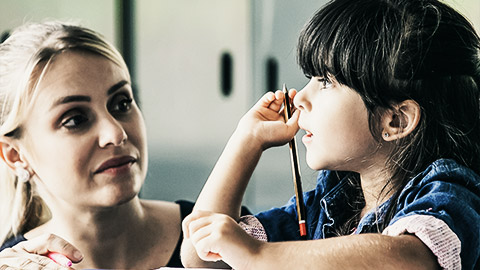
(116, 165)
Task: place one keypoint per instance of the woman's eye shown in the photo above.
(75, 121)
(121, 104)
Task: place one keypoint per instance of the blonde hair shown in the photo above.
(24, 58)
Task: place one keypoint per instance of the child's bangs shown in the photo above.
(330, 44)
(314, 55)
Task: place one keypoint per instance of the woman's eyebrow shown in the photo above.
(67, 99)
(116, 86)
(82, 98)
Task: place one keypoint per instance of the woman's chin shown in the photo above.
(115, 198)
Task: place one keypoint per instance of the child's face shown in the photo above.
(336, 123)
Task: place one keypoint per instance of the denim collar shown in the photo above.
(338, 210)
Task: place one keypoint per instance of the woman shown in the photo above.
(74, 157)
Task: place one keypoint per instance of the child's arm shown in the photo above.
(218, 237)
(261, 127)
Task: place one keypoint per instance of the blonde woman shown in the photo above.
(74, 157)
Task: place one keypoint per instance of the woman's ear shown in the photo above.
(400, 121)
(10, 154)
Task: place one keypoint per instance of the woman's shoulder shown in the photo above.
(12, 241)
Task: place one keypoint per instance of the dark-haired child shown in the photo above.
(391, 115)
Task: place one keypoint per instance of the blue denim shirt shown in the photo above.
(445, 190)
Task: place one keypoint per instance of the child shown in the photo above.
(391, 115)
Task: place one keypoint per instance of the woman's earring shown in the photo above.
(386, 134)
(22, 174)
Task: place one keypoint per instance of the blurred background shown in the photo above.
(197, 66)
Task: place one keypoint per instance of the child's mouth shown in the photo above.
(307, 138)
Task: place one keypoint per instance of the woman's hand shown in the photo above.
(33, 253)
(265, 122)
(219, 237)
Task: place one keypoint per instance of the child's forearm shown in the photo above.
(219, 237)
(263, 126)
(225, 187)
(223, 192)
(366, 251)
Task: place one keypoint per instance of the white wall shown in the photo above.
(179, 45)
(188, 120)
(469, 8)
(98, 15)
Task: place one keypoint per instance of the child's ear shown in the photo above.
(400, 121)
(10, 154)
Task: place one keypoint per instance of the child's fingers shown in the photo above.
(292, 93)
(186, 221)
(274, 101)
(276, 104)
(198, 224)
(266, 100)
(202, 232)
(196, 219)
(293, 121)
(207, 250)
(271, 100)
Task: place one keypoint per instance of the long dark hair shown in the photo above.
(389, 51)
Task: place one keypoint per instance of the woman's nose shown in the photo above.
(112, 132)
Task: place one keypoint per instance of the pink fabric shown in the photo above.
(253, 227)
(435, 234)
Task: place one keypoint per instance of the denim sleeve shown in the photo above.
(446, 217)
(281, 223)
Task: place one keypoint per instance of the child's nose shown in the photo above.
(300, 102)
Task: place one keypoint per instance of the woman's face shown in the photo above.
(336, 123)
(85, 138)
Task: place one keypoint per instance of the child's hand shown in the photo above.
(218, 237)
(265, 123)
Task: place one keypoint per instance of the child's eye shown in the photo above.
(325, 82)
